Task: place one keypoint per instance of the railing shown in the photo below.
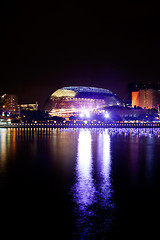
(81, 125)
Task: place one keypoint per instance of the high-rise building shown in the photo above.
(146, 98)
(137, 86)
(9, 103)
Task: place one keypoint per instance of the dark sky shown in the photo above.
(44, 48)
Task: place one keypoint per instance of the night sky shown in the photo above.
(44, 48)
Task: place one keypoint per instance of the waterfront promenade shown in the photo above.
(81, 125)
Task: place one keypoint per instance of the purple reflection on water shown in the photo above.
(150, 157)
(104, 166)
(92, 192)
(84, 188)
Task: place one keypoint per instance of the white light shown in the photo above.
(87, 114)
(106, 115)
(82, 115)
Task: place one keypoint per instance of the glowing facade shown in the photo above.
(146, 98)
(72, 100)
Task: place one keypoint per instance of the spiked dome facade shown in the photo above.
(72, 100)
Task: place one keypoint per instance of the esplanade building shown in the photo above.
(73, 100)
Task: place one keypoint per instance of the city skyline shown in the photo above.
(132, 99)
(72, 44)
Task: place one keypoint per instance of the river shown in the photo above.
(79, 183)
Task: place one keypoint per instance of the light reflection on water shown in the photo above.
(104, 160)
(84, 188)
(93, 195)
(3, 147)
(149, 157)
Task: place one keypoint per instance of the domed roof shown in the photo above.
(81, 92)
(87, 89)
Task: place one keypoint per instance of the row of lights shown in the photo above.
(91, 124)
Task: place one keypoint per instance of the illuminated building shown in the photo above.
(9, 104)
(146, 98)
(69, 101)
(29, 106)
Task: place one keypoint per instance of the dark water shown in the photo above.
(80, 183)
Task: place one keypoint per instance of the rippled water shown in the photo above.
(81, 183)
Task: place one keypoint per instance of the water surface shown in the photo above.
(84, 183)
